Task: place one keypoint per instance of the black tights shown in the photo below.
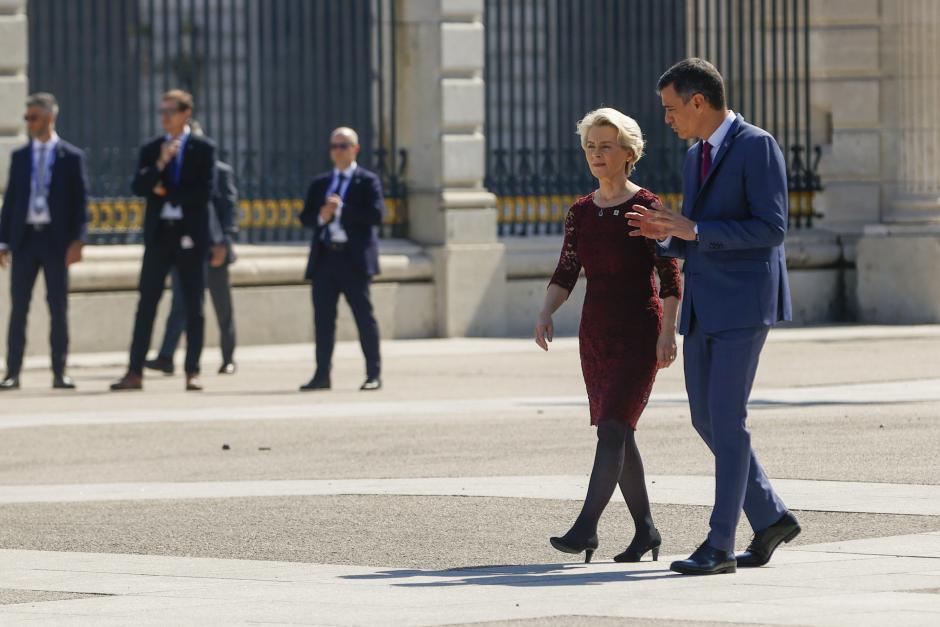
(617, 460)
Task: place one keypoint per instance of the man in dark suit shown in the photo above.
(42, 224)
(222, 228)
(730, 233)
(174, 174)
(344, 207)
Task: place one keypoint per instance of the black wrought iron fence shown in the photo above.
(550, 61)
(271, 79)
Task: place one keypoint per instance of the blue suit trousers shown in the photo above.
(719, 374)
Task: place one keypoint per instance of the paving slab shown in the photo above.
(391, 508)
(406, 532)
(236, 592)
(895, 392)
(825, 496)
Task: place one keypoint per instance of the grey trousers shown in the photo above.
(220, 291)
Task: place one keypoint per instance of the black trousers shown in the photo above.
(37, 253)
(162, 254)
(335, 275)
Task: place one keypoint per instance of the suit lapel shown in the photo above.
(188, 155)
(722, 152)
(56, 172)
(690, 184)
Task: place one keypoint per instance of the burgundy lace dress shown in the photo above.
(622, 313)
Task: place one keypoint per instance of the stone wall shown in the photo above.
(14, 54)
(271, 299)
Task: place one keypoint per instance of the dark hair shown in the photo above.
(695, 76)
(43, 100)
(184, 99)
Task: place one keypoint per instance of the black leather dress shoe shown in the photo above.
(162, 364)
(10, 383)
(706, 560)
(228, 368)
(372, 383)
(766, 541)
(316, 383)
(63, 382)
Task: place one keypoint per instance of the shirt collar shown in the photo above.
(348, 172)
(187, 131)
(716, 138)
(49, 145)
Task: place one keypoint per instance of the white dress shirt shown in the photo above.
(39, 181)
(716, 139)
(337, 233)
(175, 212)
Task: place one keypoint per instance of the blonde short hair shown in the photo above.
(629, 134)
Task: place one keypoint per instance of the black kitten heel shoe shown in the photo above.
(640, 547)
(567, 544)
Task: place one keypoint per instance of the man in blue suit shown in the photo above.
(730, 233)
(344, 207)
(43, 225)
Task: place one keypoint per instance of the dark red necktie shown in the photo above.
(706, 161)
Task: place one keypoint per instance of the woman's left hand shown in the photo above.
(666, 349)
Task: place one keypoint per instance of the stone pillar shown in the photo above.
(440, 121)
(918, 115)
(898, 259)
(14, 55)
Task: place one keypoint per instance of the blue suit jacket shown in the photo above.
(68, 197)
(736, 274)
(363, 208)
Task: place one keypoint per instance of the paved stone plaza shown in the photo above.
(431, 502)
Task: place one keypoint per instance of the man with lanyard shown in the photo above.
(344, 207)
(43, 224)
(174, 174)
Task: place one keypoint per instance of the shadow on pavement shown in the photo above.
(535, 576)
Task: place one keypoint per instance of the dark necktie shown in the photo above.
(176, 169)
(706, 161)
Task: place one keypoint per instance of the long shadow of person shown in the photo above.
(533, 575)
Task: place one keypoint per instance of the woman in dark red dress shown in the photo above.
(628, 331)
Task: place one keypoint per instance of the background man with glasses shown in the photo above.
(344, 207)
(42, 224)
(174, 174)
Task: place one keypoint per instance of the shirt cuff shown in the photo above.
(4, 246)
(664, 243)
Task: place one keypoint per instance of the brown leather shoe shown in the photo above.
(130, 381)
(193, 384)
